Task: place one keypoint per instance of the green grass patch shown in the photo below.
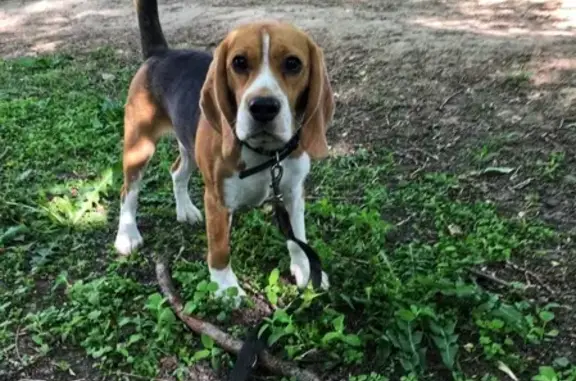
(403, 303)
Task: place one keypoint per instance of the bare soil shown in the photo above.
(448, 85)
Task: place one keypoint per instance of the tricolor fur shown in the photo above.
(265, 81)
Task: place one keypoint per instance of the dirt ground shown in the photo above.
(449, 85)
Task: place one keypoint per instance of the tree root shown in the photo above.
(225, 341)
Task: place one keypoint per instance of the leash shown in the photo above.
(256, 341)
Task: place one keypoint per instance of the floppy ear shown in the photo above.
(215, 100)
(319, 106)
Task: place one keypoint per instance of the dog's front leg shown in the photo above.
(299, 264)
(218, 221)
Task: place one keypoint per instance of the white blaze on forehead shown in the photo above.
(265, 84)
(265, 79)
(266, 50)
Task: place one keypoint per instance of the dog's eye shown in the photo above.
(240, 64)
(292, 65)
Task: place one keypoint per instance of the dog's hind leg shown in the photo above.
(144, 124)
(137, 152)
(181, 171)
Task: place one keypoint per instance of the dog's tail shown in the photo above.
(151, 36)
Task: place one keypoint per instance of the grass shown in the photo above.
(404, 303)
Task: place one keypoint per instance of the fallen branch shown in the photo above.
(135, 376)
(404, 221)
(23, 365)
(522, 184)
(221, 338)
(490, 277)
(424, 152)
(6, 152)
(441, 107)
(532, 274)
(17, 346)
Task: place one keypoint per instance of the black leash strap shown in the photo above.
(248, 356)
(254, 343)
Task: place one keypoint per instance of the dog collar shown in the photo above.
(276, 156)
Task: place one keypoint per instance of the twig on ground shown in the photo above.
(441, 107)
(561, 124)
(418, 170)
(307, 353)
(23, 364)
(180, 251)
(522, 184)
(130, 375)
(221, 338)
(506, 369)
(262, 300)
(17, 347)
(405, 220)
(351, 198)
(408, 156)
(3, 154)
(489, 277)
(426, 153)
(531, 274)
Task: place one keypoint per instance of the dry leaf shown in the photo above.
(500, 170)
(504, 368)
(454, 230)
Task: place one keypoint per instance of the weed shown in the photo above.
(517, 79)
(551, 167)
(548, 373)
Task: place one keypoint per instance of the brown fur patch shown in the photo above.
(144, 123)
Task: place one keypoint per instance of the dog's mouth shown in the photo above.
(261, 133)
(264, 138)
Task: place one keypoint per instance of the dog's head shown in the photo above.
(265, 79)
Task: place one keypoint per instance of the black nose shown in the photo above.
(264, 109)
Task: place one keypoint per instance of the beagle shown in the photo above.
(266, 82)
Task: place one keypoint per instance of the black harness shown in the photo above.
(256, 342)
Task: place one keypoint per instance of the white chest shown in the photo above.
(252, 191)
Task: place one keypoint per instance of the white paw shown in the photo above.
(226, 279)
(300, 268)
(186, 211)
(128, 239)
(301, 273)
(325, 285)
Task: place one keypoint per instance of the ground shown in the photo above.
(446, 214)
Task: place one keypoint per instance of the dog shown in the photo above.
(266, 82)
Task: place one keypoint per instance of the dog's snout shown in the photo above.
(264, 109)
